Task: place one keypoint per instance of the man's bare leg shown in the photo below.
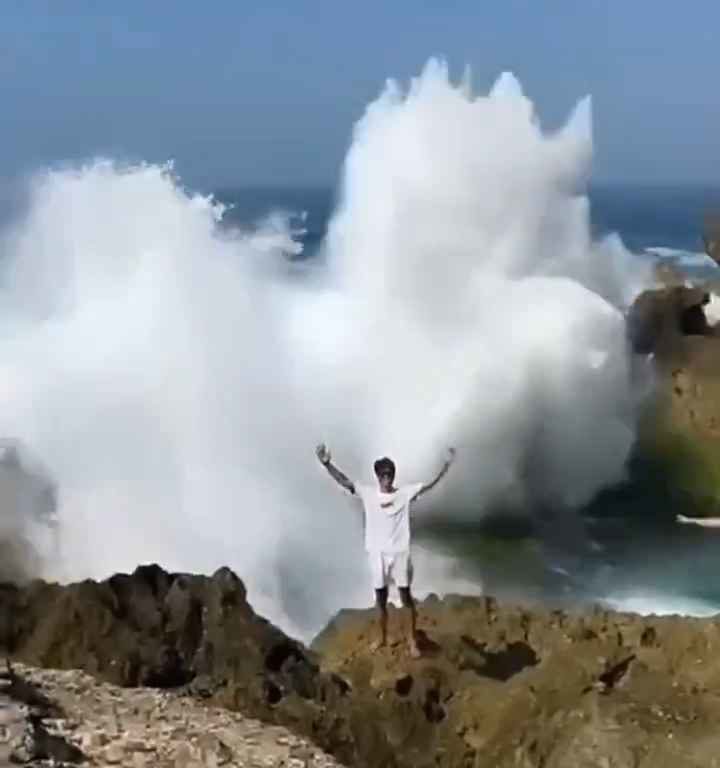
(409, 604)
(381, 598)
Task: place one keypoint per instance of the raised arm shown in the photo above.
(339, 477)
(443, 471)
(703, 522)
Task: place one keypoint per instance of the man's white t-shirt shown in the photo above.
(387, 517)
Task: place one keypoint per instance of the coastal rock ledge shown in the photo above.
(497, 686)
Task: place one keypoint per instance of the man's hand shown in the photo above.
(323, 454)
(339, 477)
(683, 519)
(450, 457)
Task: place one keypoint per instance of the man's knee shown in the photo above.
(406, 597)
(381, 598)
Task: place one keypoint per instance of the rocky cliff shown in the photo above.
(679, 431)
(497, 685)
(504, 686)
(193, 634)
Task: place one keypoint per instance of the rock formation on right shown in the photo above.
(679, 427)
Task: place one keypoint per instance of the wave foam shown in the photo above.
(175, 376)
(656, 604)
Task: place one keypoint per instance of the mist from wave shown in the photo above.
(174, 374)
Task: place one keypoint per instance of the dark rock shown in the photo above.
(151, 628)
(658, 319)
(38, 744)
(166, 630)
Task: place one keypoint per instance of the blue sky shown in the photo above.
(265, 92)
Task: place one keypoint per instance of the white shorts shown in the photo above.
(386, 567)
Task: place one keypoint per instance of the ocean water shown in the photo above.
(664, 217)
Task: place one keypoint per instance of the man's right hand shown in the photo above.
(323, 454)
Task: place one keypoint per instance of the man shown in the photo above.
(387, 534)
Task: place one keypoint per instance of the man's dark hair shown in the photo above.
(384, 466)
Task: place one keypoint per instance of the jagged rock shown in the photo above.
(497, 686)
(32, 726)
(147, 727)
(501, 686)
(147, 628)
(659, 320)
(678, 440)
(152, 628)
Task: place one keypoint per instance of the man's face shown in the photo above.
(385, 480)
